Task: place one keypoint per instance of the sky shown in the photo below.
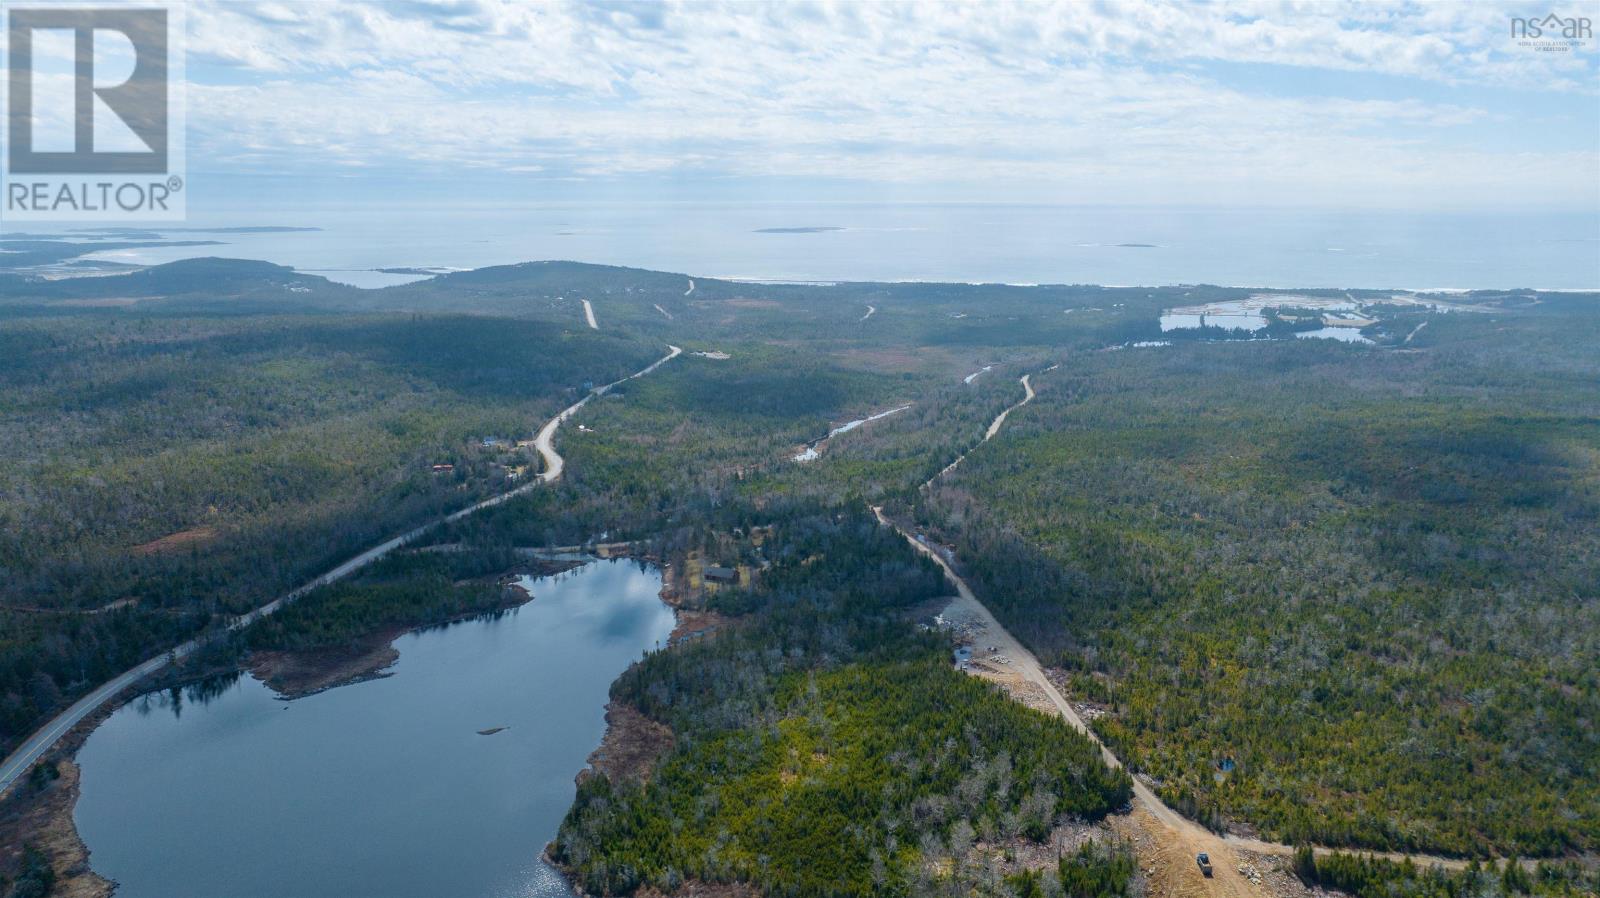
(1357, 105)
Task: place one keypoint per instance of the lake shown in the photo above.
(382, 788)
(1012, 243)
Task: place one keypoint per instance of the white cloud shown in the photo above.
(1091, 99)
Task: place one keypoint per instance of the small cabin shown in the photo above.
(443, 469)
(716, 574)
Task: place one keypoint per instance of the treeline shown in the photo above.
(406, 590)
(825, 747)
(1365, 876)
(48, 658)
(1365, 579)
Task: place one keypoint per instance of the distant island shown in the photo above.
(794, 230)
(25, 252)
(1138, 245)
(19, 255)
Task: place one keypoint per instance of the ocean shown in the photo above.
(1022, 244)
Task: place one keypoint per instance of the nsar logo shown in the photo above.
(1552, 33)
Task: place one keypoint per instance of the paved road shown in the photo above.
(40, 742)
(543, 443)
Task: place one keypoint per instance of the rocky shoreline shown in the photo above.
(297, 674)
(631, 746)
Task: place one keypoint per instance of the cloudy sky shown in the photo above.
(1413, 105)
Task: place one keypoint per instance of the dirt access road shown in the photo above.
(1000, 658)
(994, 428)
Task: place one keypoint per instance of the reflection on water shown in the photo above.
(1248, 314)
(381, 788)
(1242, 320)
(172, 700)
(1342, 317)
(1346, 334)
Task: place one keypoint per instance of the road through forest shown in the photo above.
(1024, 677)
(994, 428)
(1020, 672)
(35, 746)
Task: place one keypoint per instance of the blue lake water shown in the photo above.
(383, 788)
(939, 242)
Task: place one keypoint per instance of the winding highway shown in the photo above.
(46, 736)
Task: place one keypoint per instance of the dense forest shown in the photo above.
(1324, 592)
(1342, 595)
(828, 748)
(167, 470)
(1365, 876)
(710, 444)
(408, 589)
